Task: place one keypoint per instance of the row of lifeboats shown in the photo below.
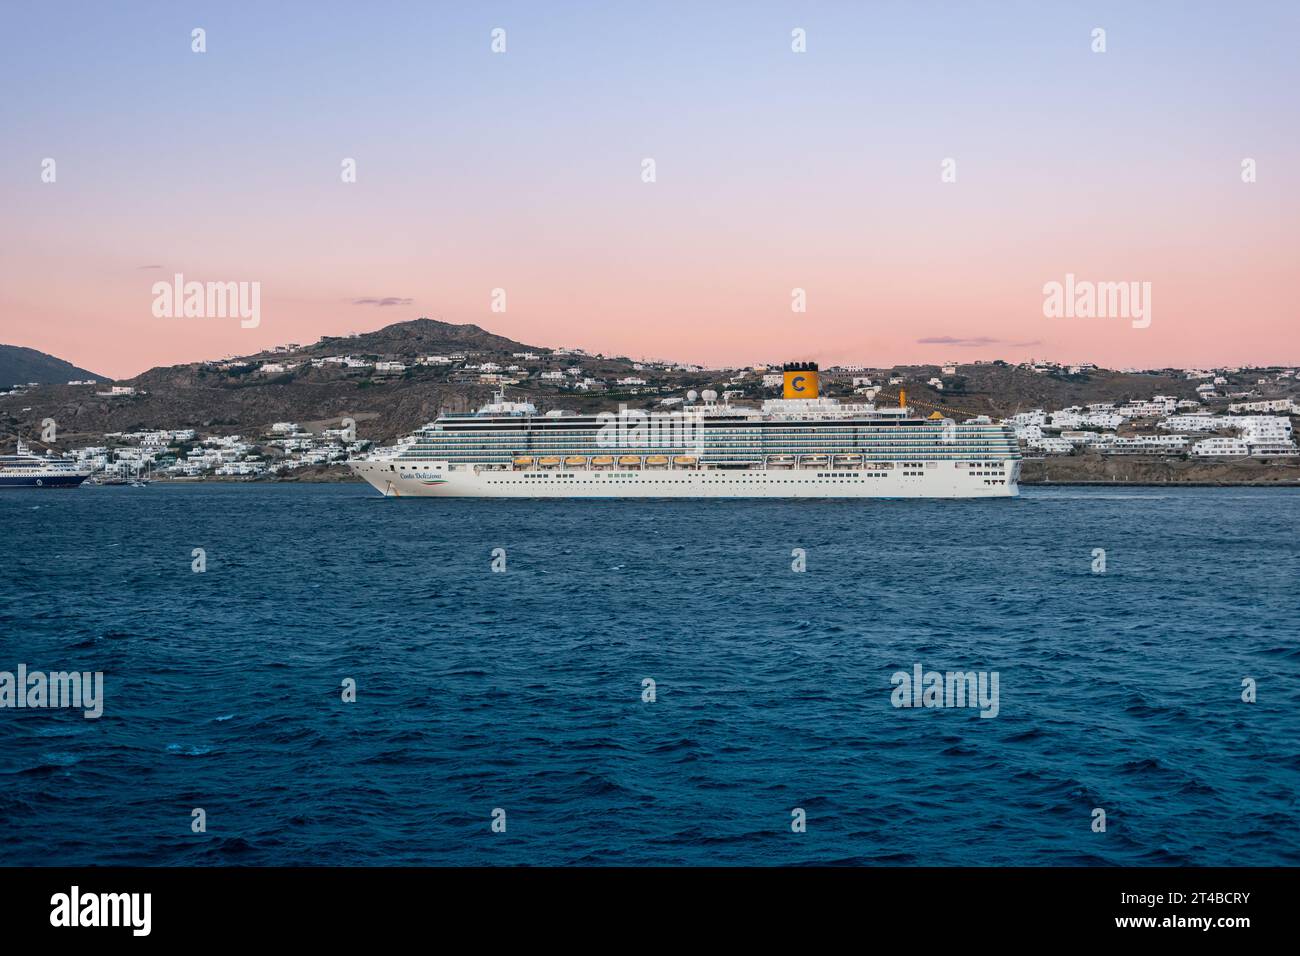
(605, 461)
(812, 461)
(549, 462)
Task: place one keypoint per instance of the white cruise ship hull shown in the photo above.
(942, 479)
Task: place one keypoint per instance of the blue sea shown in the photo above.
(519, 696)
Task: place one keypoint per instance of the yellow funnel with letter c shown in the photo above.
(801, 380)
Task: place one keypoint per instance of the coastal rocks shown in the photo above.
(1151, 470)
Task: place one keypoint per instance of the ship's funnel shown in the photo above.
(801, 380)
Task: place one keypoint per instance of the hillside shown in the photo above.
(237, 396)
(317, 385)
(19, 365)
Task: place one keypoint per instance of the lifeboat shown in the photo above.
(685, 460)
(629, 461)
(602, 461)
(657, 461)
(848, 459)
(813, 461)
(523, 462)
(575, 461)
(549, 462)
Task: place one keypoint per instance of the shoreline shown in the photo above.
(1040, 483)
(1082, 471)
(1092, 483)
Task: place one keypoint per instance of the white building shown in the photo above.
(1220, 448)
(1284, 405)
(1273, 449)
(1073, 418)
(1260, 429)
(1195, 423)
(1035, 417)
(1051, 446)
(1147, 444)
(1152, 409)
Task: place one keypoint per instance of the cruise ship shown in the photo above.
(25, 470)
(799, 446)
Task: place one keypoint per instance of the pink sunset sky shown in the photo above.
(775, 170)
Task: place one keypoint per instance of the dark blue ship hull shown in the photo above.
(45, 481)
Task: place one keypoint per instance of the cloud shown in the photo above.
(386, 300)
(974, 342)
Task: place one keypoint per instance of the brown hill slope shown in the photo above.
(236, 397)
(19, 365)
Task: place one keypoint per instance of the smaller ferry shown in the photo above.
(25, 470)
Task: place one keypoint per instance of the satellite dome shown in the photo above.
(692, 395)
(710, 395)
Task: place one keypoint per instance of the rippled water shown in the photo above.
(523, 690)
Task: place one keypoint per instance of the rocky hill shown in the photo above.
(317, 385)
(246, 394)
(19, 365)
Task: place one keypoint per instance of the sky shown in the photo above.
(774, 171)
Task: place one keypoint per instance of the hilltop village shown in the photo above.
(295, 411)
